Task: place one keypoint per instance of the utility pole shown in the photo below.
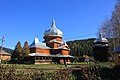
(1, 48)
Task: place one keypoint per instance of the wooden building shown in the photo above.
(101, 49)
(5, 56)
(52, 49)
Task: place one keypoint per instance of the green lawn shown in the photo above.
(45, 67)
(30, 67)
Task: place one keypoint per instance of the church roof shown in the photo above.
(5, 53)
(36, 43)
(54, 40)
(101, 39)
(39, 54)
(60, 55)
(63, 46)
(44, 54)
(53, 31)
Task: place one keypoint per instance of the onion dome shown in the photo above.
(36, 43)
(100, 39)
(53, 31)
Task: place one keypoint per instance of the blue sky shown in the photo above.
(21, 20)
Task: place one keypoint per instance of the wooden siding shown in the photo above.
(48, 38)
(40, 50)
(5, 57)
(65, 52)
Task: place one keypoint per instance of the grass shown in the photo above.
(36, 65)
(26, 68)
(80, 63)
(53, 67)
(45, 67)
(103, 64)
(56, 66)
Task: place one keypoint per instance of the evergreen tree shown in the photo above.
(26, 49)
(17, 54)
(81, 47)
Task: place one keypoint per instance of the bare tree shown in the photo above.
(110, 28)
(106, 28)
(115, 19)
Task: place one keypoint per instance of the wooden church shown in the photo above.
(101, 49)
(52, 49)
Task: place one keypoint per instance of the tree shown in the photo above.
(110, 28)
(116, 19)
(17, 54)
(116, 23)
(26, 49)
(81, 47)
(106, 29)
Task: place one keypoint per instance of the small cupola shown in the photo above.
(100, 39)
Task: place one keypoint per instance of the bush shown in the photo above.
(97, 71)
(10, 73)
